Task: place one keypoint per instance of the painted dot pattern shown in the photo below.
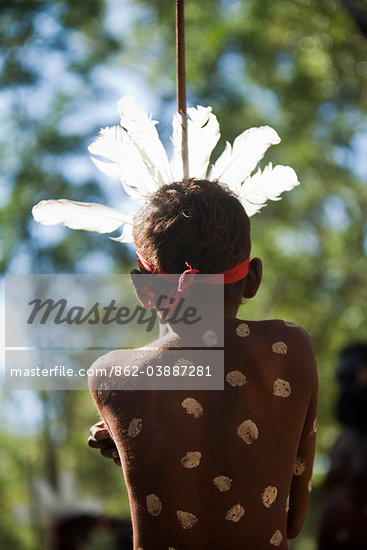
(187, 520)
(235, 513)
(299, 466)
(209, 338)
(154, 505)
(309, 486)
(192, 407)
(279, 347)
(248, 431)
(191, 459)
(276, 539)
(135, 427)
(236, 378)
(269, 495)
(282, 388)
(243, 330)
(222, 483)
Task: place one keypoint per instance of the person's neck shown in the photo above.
(209, 326)
(231, 309)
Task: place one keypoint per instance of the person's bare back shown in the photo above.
(212, 469)
(218, 469)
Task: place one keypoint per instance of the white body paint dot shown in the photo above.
(236, 378)
(243, 330)
(186, 519)
(282, 388)
(309, 486)
(191, 459)
(154, 505)
(299, 466)
(209, 338)
(192, 407)
(248, 431)
(279, 347)
(276, 539)
(223, 483)
(135, 427)
(235, 513)
(269, 495)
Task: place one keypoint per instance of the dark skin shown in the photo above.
(237, 472)
(100, 439)
(99, 435)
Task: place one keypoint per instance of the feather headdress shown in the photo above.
(134, 154)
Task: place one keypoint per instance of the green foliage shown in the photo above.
(48, 50)
(298, 65)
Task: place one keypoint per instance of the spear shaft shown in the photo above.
(181, 81)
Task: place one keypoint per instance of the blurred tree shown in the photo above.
(49, 51)
(298, 65)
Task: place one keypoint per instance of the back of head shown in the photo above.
(194, 221)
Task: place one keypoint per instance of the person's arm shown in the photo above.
(301, 484)
(100, 437)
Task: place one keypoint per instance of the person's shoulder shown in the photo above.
(292, 332)
(100, 371)
(287, 340)
(273, 329)
(105, 362)
(107, 369)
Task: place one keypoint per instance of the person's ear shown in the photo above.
(144, 294)
(253, 278)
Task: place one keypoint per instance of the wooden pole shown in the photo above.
(181, 81)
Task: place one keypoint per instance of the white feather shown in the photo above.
(203, 134)
(126, 162)
(135, 155)
(143, 133)
(126, 235)
(80, 215)
(237, 162)
(113, 170)
(266, 185)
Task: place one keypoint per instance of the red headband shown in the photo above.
(232, 275)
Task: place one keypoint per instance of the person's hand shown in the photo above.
(101, 439)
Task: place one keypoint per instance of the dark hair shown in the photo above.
(196, 221)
